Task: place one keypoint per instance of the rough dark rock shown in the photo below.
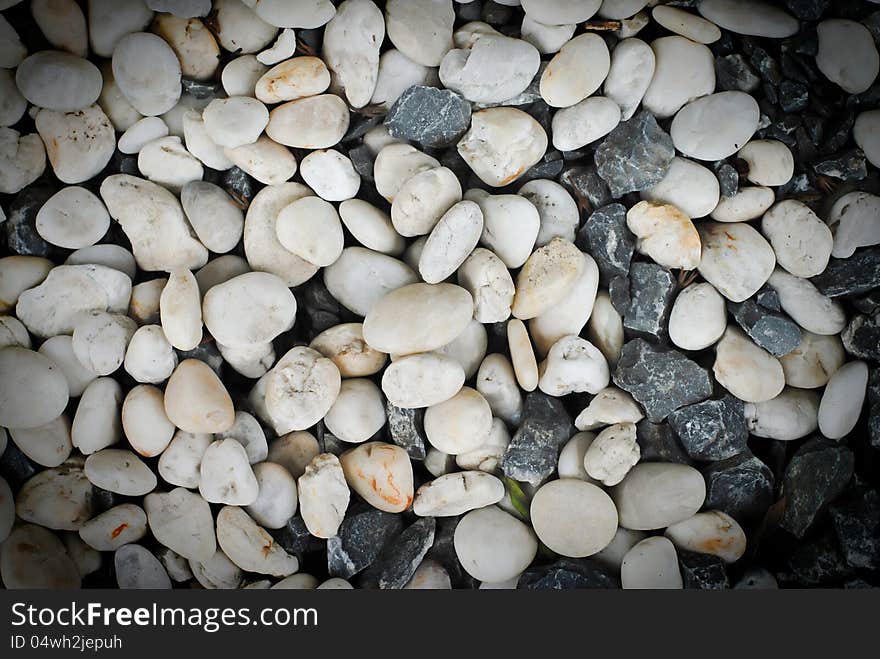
(607, 239)
(808, 10)
(549, 167)
(849, 166)
(861, 338)
(240, 186)
(768, 298)
(361, 537)
(532, 453)
(858, 274)
(21, 229)
(202, 89)
(869, 304)
(817, 474)
(401, 556)
(741, 486)
(771, 330)
(618, 291)
(874, 409)
(815, 563)
(319, 307)
(295, 538)
(407, 430)
(103, 500)
(856, 522)
(793, 96)
(568, 574)
(702, 571)
(15, 466)
(713, 429)
(733, 73)
(658, 443)
(651, 294)
(728, 179)
(433, 117)
(660, 379)
(635, 156)
(362, 160)
(586, 186)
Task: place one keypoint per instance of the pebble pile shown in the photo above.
(435, 294)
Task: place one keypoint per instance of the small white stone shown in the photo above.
(58, 81)
(698, 318)
(352, 39)
(747, 204)
(300, 389)
(770, 162)
(18, 274)
(119, 471)
(651, 564)
(331, 175)
(571, 457)
(460, 424)
(397, 163)
(573, 518)
(455, 494)
(557, 209)
(853, 221)
(422, 380)
(182, 521)
(562, 12)
(22, 160)
(525, 365)
(225, 475)
(214, 216)
(736, 259)
(584, 123)
(451, 241)
(250, 546)
(842, 401)
(311, 229)
(665, 234)
(487, 457)
(814, 361)
(715, 126)
(81, 143)
(684, 71)
(96, 424)
(576, 71)
(632, 69)
(294, 451)
(847, 54)
(655, 495)
(360, 278)
(510, 225)
(144, 421)
(323, 496)
(612, 454)
(292, 79)
(547, 277)
(239, 77)
(193, 44)
(72, 218)
(694, 189)
(144, 304)
(713, 532)
(573, 365)
(200, 145)
(218, 572)
(381, 474)
(180, 463)
(801, 300)
(59, 349)
(316, 122)
(141, 133)
(344, 345)
(745, 369)
(793, 414)
(63, 24)
(236, 121)
(167, 162)
(802, 242)
(496, 381)
(118, 526)
(241, 30)
(100, 340)
(57, 498)
(423, 199)
(548, 39)
(420, 29)
(492, 545)
(219, 271)
(624, 540)
(749, 17)
(147, 72)
(112, 256)
(35, 389)
(488, 281)
(14, 333)
(358, 412)
(180, 310)
(397, 73)
(276, 503)
(246, 430)
(48, 445)
(467, 349)
(686, 24)
(34, 557)
(283, 48)
(609, 406)
(196, 400)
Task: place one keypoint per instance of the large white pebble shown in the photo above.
(561, 12)
(118, 526)
(455, 494)
(225, 475)
(34, 557)
(451, 241)
(72, 218)
(745, 369)
(396, 164)
(496, 380)
(686, 24)
(251, 308)
(276, 503)
(420, 29)
(684, 71)
(311, 229)
(716, 126)
(381, 473)
(713, 532)
(330, 174)
(853, 221)
(196, 400)
(655, 495)
(651, 564)
(236, 121)
(493, 545)
(48, 445)
(59, 81)
(814, 361)
(736, 259)
(192, 42)
(180, 463)
(423, 199)
(770, 162)
(250, 546)
(692, 188)
(749, 17)
(80, 144)
(239, 77)
(22, 160)
(802, 242)
(323, 495)
(747, 204)
(632, 69)
(585, 122)
(358, 412)
(182, 521)
(573, 365)
(573, 518)
(97, 424)
(665, 234)
(698, 318)
(847, 54)
(119, 471)
(100, 340)
(315, 122)
(488, 281)
(801, 300)
(34, 389)
(842, 401)
(793, 414)
(549, 274)
(307, 14)
(344, 345)
(460, 424)
(214, 216)
(292, 79)
(557, 209)
(300, 389)
(350, 48)
(167, 162)
(147, 72)
(612, 454)
(149, 357)
(360, 278)
(422, 380)
(144, 421)
(59, 349)
(510, 225)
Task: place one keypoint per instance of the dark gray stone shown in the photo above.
(651, 294)
(407, 430)
(321, 309)
(818, 472)
(861, 338)
(849, 166)
(793, 96)
(607, 239)
(702, 571)
(568, 574)
(814, 564)
(869, 304)
(295, 538)
(401, 556)
(362, 160)
(808, 10)
(771, 330)
(532, 453)
(858, 274)
(15, 466)
(618, 291)
(733, 73)
(240, 186)
(203, 89)
(103, 500)
(856, 522)
(433, 117)
(660, 379)
(361, 538)
(635, 156)
(21, 229)
(658, 443)
(728, 178)
(741, 486)
(549, 167)
(768, 298)
(713, 429)
(586, 186)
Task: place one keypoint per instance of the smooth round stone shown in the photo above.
(747, 204)
(358, 412)
(493, 545)
(430, 575)
(121, 113)
(632, 69)
(460, 424)
(686, 24)
(396, 164)
(451, 241)
(144, 421)
(96, 424)
(35, 389)
(418, 318)
(214, 216)
(182, 521)
(57, 498)
(147, 73)
(14, 333)
(58, 81)
(814, 361)
(573, 518)
(689, 186)
(250, 546)
(370, 226)
(561, 12)
(12, 103)
(292, 79)
(236, 121)
(80, 143)
(252, 308)
(119, 471)
(793, 414)
(281, 13)
(422, 380)
(283, 48)
(665, 234)
(468, 348)
(219, 271)
(167, 162)
(300, 389)
(488, 281)
(72, 218)
(573, 365)
(381, 474)
(360, 278)
(557, 209)
(294, 451)
(218, 572)
(584, 123)
(571, 457)
(455, 494)
(770, 162)
(225, 475)
(749, 17)
(323, 495)
(106, 254)
(200, 144)
(496, 380)
(488, 456)
(715, 126)
(12, 50)
(847, 54)
(609, 406)
(18, 274)
(651, 564)
(684, 71)
(502, 144)
(239, 29)
(800, 299)
(576, 71)
(144, 304)
(100, 340)
(548, 39)
(252, 361)
(853, 222)
(713, 532)
(180, 310)
(546, 278)
(423, 200)
(331, 175)
(842, 401)
(736, 259)
(48, 445)
(344, 345)
(310, 228)
(655, 495)
(612, 454)
(397, 73)
(180, 463)
(316, 122)
(246, 430)
(745, 369)
(22, 160)
(802, 242)
(193, 43)
(438, 463)
(624, 540)
(276, 503)
(116, 527)
(141, 133)
(34, 557)
(522, 354)
(59, 349)
(240, 76)
(420, 29)
(496, 68)
(698, 318)
(866, 133)
(196, 400)
(510, 225)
